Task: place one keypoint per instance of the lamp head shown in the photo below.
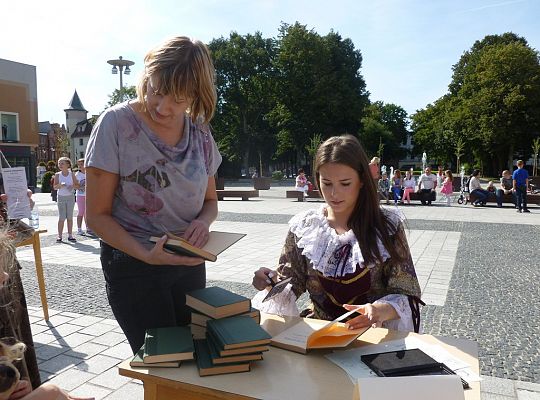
(114, 70)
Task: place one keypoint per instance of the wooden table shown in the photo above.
(36, 245)
(282, 374)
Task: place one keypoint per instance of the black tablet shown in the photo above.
(406, 363)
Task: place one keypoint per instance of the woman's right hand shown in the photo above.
(263, 277)
(159, 256)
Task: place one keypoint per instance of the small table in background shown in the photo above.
(36, 245)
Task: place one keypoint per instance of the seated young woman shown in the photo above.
(349, 254)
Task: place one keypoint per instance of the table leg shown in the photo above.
(39, 272)
(150, 391)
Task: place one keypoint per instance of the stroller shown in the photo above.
(464, 191)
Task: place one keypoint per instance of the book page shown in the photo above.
(297, 335)
(220, 241)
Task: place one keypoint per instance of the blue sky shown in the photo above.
(408, 47)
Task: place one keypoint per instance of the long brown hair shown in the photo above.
(367, 220)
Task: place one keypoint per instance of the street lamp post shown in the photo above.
(120, 64)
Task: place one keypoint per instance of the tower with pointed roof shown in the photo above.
(74, 113)
(78, 127)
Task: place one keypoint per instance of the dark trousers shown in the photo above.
(425, 196)
(144, 296)
(521, 197)
(481, 195)
(500, 194)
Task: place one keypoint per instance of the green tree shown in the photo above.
(244, 77)
(319, 87)
(492, 107)
(128, 93)
(384, 124)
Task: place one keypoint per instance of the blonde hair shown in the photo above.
(520, 163)
(182, 68)
(65, 159)
(375, 160)
(7, 251)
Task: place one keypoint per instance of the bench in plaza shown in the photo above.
(295, 194)
(243, 194)
(508, 198)
(413, 196)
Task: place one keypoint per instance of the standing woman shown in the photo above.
(65, 182)
(150, 166)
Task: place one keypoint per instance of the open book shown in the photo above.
(317, 334)
(217, 243)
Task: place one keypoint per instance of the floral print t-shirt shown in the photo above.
(161, 187)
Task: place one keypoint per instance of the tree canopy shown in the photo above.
(492, 106)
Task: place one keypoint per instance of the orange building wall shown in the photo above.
(14, 98)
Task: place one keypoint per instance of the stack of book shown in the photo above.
(165, 347)
(226, 330)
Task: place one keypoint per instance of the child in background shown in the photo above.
(447, 189)
(81, 198)
(409, 184)
(397, 183)
(65, 182)
(384, 187)
(490, 187)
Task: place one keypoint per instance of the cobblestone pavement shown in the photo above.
(490, 296)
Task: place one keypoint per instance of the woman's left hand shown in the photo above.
(371, 315)
(197, 233)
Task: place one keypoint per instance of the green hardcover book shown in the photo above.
(237, 332)
(200, 319)
(217, 302)
(216, 357)
(168, 344)
(207, 368)
(138, 362)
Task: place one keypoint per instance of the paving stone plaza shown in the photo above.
(478, 268)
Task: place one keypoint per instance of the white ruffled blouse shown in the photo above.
(319, 243)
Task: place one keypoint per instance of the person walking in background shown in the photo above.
(384, 187)
(427, 183)
(447, 189)
(520, 183)
(409, 184)
(476, 190)
(506, 188)
(65, 182)
(81, 198)
(150, 167)
(397, 183)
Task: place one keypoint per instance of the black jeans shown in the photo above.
(425, 196)
(521, 197)
(144, 296)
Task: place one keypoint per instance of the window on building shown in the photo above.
(81, 141)
(81, 154)
(10, 126)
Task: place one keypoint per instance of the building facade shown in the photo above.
(19, 116)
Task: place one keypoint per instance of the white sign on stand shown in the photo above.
(16, 189)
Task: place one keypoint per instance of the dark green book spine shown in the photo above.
(234, 331)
